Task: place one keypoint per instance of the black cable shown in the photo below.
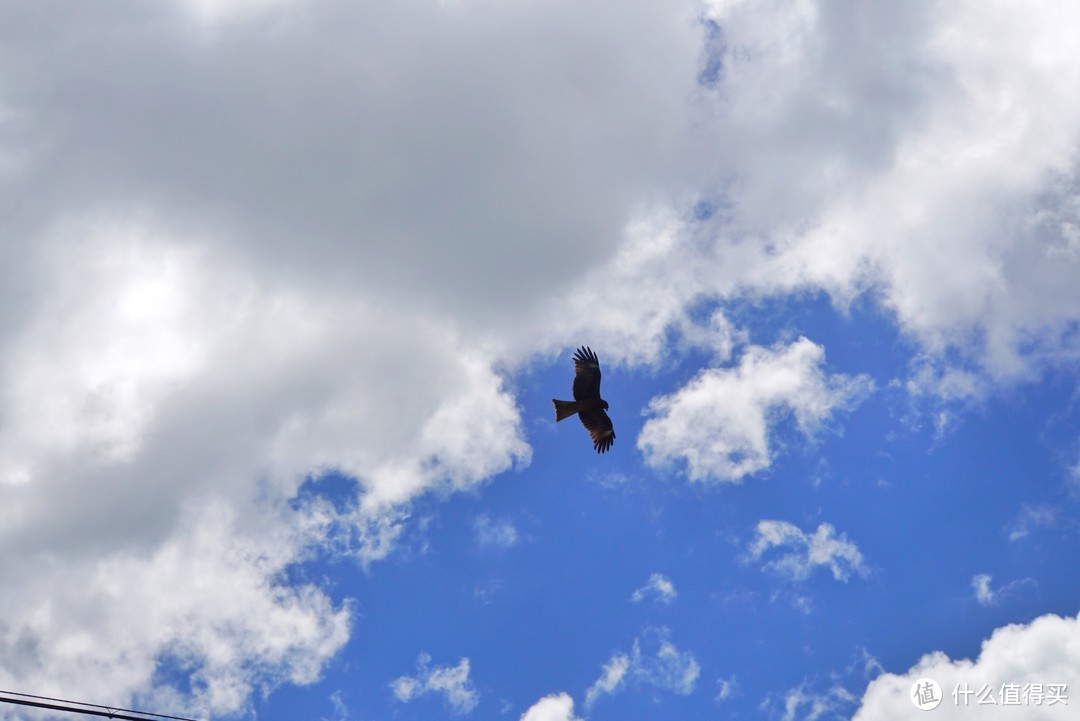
(106, 711)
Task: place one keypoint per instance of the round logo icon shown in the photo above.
(925, 694)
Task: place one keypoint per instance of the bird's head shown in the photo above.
(604, 404)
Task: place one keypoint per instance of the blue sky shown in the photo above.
(287, 287)
(546, 575)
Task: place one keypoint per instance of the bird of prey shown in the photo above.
(587, 402)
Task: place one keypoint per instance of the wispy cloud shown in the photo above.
(726, 688)
(802, 703)
(654, 660)
(494, 533)
(452, 682)
(611, 678)
(486, 591)
(1032, 516)
(823, 548)
(341, 711)
(869, 663)
(983, 594)
(989, 596)
(658, 587)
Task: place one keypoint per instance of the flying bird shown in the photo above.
(587, 402)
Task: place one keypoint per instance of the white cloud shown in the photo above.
(644, 291)
(341, 711)
(871, 667)
(674, 670)
(726, 688)
(720, 422)
(921, 172)
(1045, 651)
(214, 284)
(823, 548)
(802, 703)
(988, 596)
(120, 370)
(397, 178)
(208, 600)
(497, 534)
(658, 587)
(486, 592)
(823, 696)
(208, 294)
(458, 692)
(158, 377)
(556, 707)
(918, 175)
(405, 688)
(1032, 516)
(610, 680)
(654, 661)
(983, 593)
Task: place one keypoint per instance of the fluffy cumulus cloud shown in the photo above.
(850, 179)
(654, 660)
(239, 253)
(157, 378)
(920, 171)
(720, 422)
(1020, 670)
(452, 682)
(450, 181)
(210, 600)
(806, 551)
(557, 707)
(139, 363)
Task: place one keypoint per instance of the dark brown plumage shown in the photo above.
(587, 402)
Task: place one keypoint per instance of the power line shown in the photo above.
(87, 709)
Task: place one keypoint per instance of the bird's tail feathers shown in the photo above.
(564, 409)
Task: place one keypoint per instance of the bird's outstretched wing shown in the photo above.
(586, 375)
(598, 425)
